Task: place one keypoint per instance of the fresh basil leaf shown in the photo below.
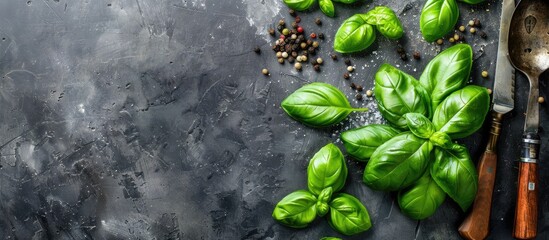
(438, 17)
(299, 5)
(442, 140)
(421, 199)
(386, 22)
(354, 35)
(296, 210)
(447, 72)
(322, 201)
(455, 173)
(347, 215)
(419, 125)
(462, 112)
(398, 163)
(346, 1)
(471, 1)
(397, 93)
(318, 105)
(327, 7)
(331, 238)
(361, 142)
(327, 168)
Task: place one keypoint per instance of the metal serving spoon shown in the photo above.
(529, 53)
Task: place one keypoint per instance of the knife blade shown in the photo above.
(476, 224)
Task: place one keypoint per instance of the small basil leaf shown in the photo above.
(347, 215)
(346, 1)
(455, 173)
(447, 72)
(327, 7)
(318, 105)
(386, 22)
(361, 142)
(419, 125)
(326, 169)
(462, 112)
(398, 163)
(299, 5)
(331, 238)
(296, 210)
(442, 140)
(322, 201)
(354, 35)
(396, 94)
(421, 199)
(438, 17)
(471, 1)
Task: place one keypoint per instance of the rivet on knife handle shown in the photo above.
(477, 224)
(526, 211)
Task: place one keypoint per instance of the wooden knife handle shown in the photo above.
(477, 224)
(526, 211)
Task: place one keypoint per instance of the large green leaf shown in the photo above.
(327, 168)
(438, 17)
(421, 199)
(327, 7)
(354, 35)
(386, 22)
(299, 5)
(398, 163)
(296, 210)
(361, 142)
(347, 215)
(322, 201)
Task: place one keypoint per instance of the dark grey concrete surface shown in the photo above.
(150, 119)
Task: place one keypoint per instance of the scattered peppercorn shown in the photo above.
(303, 45)
(476, 22)
(285, 55)
(297, 19)
(297, 66)
(281, 22)
(278, 54)
(271, 31)
(462, 28)
(353, 85)
(347, 62)
(313, 35)
(346, 76)
(473, 30)
(294, 54)
(333, 56)
(299, 29)
(319, 60)
(281, 60)
(282, 37)
(489, 91)
(257, 50)
(369, 93)
(311, 50)
(456, 37)
(484, 74)
(316, 67)
(541, 100)
(350, 68)
(482, 34)
(400, 50)
(358, 96)
(294, 25)
(359, 88)
(471, 23)
(303, 58)
(285, 31)
(321, 36)
(451, 40)
(265, 71)
(318, 21)
(309, 41)
(403, 56)
(279, 28)
(298, 59)
(417, 55)
(315, 44)
(292, 12)
(294, 36)
(291, 59)
(440, 41)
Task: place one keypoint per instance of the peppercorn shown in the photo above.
(303, 58)
(275, 48)
(321, 36)
(350, 68)
(346, 76)
(311, 50)
(282, 37)
(315, 44)
(440, 41)
(369, 93)
(294, 36)
(292, 12)
(297, 66)
(278, 54)
(271, 31)
(333, 56)
(285, 31)
(316, 67)
(265, 71)
(400, 50)
(300, 29)
(294, 25)
(403, 56)
(473, 30)
(353, 85)
(309, 41)
(451, 40)
(298, 58)
(471, 23)
(490, 91)
(279, 28)
(319, 60)
(257, 50)
(294, 54)
(462, 28)
(417, 55)
(285, 55)
(358, 96)
(303, 45)
(476, 22)
(484, 74)
(281, 60)
(305, 53)
(317, 21)
(482, 34)
(347, 62)
(281, 22)
(297, 19)
(291, 59)
(359, 88)
(541, 100)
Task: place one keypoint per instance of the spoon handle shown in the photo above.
(526, 211)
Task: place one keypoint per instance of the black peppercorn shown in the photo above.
(280, 28)
(309, 42)
(318, 21)
(294, 25)
(358, 96)
(333, 56)
(292, 12)
(294, 54)
(403, 56)
(400, 50)
(359, 88)
(353, 85)
(311, 50)
(321, 36)
(417, 56)
(316, 67)
(482, 34)
(347, 62)
(476, 22)
(271, 31)
(346, 76)
(297, 19)
(257, 50)
(281, 22)
(291, 59)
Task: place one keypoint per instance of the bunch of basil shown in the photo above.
(326, 174)
(357, 32)
(416, 155)
(327, 6)
(438, 17)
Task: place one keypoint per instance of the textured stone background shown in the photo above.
(150, 119)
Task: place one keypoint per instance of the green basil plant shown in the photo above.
(357, 32)
(326, 6)
(415, 154)
(438, 17)
(318, 105)
(326, 175)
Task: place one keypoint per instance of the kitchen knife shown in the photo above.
(476, 225)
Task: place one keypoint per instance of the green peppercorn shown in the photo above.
(285, 31)
(315, 44)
